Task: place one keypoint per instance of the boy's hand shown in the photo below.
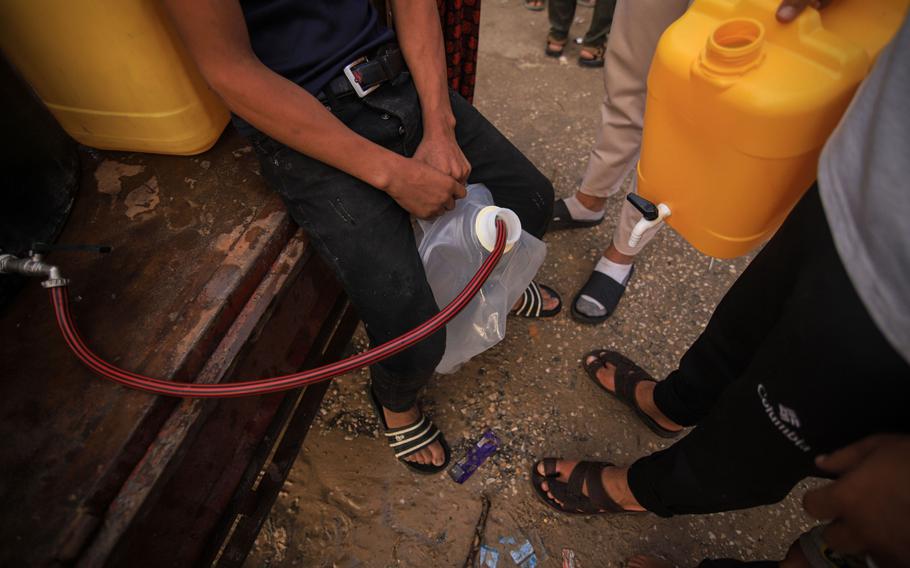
(421, 190)
(790, 9)
(869, 504)
(441, 151)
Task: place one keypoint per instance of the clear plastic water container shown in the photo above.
(452, 248)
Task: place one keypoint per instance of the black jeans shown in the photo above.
(790, 366)
(366, 237)
(562, 12)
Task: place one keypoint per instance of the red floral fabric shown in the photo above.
(461, 31)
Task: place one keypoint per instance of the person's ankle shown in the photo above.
(644, 394)
(616, 482)
(613, 254)
(590, 202)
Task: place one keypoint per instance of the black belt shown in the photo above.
(364, 75)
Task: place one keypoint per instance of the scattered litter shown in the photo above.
(524, 555)
(568, 559)
(479, 529)
(507, 540)
(489, 557)
(465, 467)
(540, 549)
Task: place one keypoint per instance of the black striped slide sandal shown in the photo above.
(530, 305)
(407, 440)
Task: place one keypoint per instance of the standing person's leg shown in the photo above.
(822, 377)
(636, 29)
(592, 46)
(561, 13)
(725, 348)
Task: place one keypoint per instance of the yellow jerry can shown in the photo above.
(739, 107)
(113, 72)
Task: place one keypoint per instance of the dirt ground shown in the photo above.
(348, 504)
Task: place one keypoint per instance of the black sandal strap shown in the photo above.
(625, 379)
(409, 439)
(405, 448)
(574, 500)
(549, 467)
(596, 492)
(535, 300)
(562, 218)
(577, 480)
(561, 213)
(596, 363)
(532, 302)
(605, 290)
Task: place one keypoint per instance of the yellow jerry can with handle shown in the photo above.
(113, 72)
(739, 107)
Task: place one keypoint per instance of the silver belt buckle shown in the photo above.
(361, 92)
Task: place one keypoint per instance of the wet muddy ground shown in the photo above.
(347, 503)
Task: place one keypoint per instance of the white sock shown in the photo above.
(619, 272)
(616, 271)
(581, 213)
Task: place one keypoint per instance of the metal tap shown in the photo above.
(33, 265)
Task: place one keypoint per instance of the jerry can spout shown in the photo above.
(651, 215)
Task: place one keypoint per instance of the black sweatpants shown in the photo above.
(366, 237)
(790, 366)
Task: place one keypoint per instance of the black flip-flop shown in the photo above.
(535, 7)
(603, 289)
(531, 305)
(412, 438)
(574, 502)
(626, 376)
(563, 220)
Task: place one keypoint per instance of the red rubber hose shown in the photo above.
(60, 299)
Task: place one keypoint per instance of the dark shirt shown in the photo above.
(309, 41)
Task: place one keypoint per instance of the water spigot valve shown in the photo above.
(647, 209)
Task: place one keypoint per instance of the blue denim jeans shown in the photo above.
(366, 237)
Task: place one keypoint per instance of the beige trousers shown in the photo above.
(637, 26)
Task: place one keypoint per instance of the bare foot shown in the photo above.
(432, 454)
(644, 561)
(644, 394)
(614, 480)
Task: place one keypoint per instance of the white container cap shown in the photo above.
(485, 227)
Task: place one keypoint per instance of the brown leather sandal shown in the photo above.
(626, 377)
(597, 59)
(572, 500)
(561, 43)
